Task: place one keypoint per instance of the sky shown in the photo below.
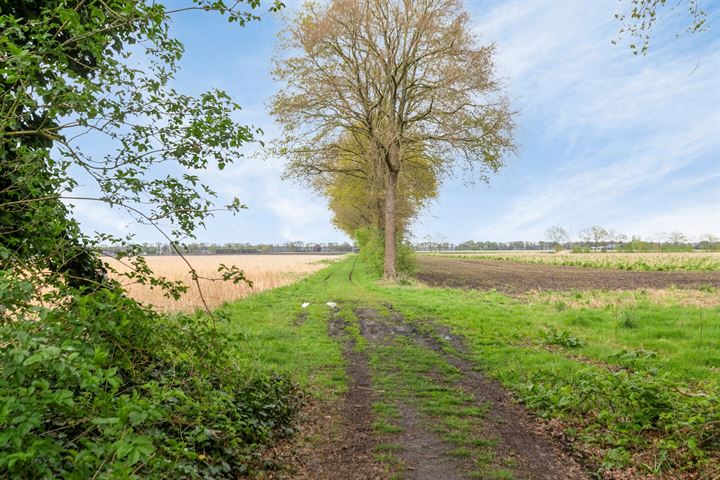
(627, 142)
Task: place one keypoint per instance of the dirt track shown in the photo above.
(512, 277)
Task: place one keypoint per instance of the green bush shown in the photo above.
(104, 388)
(372, 252)
(627, 411)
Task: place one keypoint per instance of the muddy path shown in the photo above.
(424, 456)
(353, 439)
(537, 452)
(516, 437)
(516, 278)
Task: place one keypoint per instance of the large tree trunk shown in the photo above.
(390, 225)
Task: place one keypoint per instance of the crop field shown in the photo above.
(265, 272)
(518, 277)
(647, 262)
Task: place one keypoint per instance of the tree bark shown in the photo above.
(390, 226)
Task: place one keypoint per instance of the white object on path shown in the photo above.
(331, 304)
(305, 305)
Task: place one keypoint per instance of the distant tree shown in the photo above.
(677, 238)
(599, 234)
(585, 235)
(616, 237)
(397, 76)
(556, 235)
(642, 15)
(709, 241)
(594, 234)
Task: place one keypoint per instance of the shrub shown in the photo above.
(628, 411)
(372, 252)
(104, 388)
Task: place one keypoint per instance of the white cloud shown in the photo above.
(100, 216)
(616, 124)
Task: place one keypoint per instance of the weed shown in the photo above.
(627, 319)
(563, 339)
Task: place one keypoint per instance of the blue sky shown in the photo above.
(605, 137)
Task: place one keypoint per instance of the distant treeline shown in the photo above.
(634, 245)
(473, 245)
(238, 248)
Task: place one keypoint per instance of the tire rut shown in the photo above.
(425, 456)
(519, 437)
(348, 453)
(538, 455)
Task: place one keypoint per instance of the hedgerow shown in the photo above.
(104, 388)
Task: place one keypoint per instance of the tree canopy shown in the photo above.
(93, 384)
(103, 68)
(397, 77)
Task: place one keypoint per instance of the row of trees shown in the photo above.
(160, 248)
(439, 246)
(598, 236)
(381, 100)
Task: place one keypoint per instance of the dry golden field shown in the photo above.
(265, 271)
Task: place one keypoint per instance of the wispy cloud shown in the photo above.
(605, 137)
(603, 124)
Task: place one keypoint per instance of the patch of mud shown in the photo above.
(300, 318)
(327, 446)
(376, 328)
(516, 278)
(336, 326)
(424, 455)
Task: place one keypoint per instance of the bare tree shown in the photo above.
(677, 238)
(616, 237)
(595, 234)
(397, 76)
(556, 235)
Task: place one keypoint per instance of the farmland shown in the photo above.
(298, 154)
(515, 277)
(647, 262)
(632, 387)
(264, 271)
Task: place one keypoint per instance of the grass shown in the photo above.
(638, 386)
(655, 262)
(601, 299)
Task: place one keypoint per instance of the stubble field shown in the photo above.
(644, 262)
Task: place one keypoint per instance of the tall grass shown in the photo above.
(265, 272)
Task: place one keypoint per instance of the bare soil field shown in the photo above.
(514, 278)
